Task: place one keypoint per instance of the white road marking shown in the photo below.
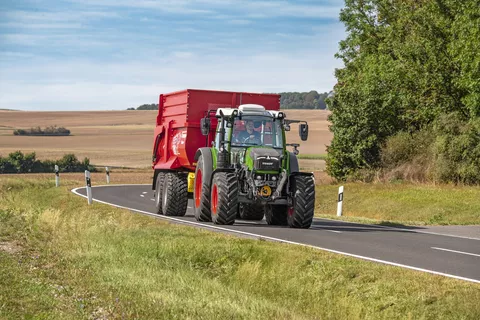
(152, 199)
(143, 196)
(145, 192)
(190, 207)
(333, 231)
(455, 251)
(276, 239)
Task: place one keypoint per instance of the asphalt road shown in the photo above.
(414, 248)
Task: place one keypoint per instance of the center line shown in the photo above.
(468, 253)
(333, 231)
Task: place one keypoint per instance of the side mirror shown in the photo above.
(205, 126)
(303, 131)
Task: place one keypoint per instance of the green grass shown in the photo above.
(312, 156)
(74, 261)
(402, 203)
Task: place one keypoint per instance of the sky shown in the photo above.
(115, 54)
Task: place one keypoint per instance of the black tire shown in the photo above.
(175, 195)
(276, 215)
(250, 211)
(159, 192)
(201, 192)
(224, 198)
(300, 215)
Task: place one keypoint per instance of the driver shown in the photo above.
(249, 135)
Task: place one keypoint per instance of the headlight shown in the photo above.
(274, 178)
(259, 177)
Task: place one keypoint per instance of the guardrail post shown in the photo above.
(107, 172)
(57, 177)
(340, 201)
(89, 186)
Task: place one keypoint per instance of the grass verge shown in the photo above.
(404, 203)
(62, 259)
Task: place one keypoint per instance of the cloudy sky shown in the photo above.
(115, 54)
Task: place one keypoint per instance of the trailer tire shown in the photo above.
(300, 214)
(224, 198)
(250, 211)
(175, 195)
(159, 192)
(276, 215)
(201, 189)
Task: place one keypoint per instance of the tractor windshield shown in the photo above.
(257, 131)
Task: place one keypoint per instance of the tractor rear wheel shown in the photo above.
(300, 214)
(276, 215)
(175, 194)
(250, 211)
(201, 190)
(159, 192)
(224, 198)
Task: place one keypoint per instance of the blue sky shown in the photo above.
(115, 54)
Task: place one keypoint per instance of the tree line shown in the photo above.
(17, 162)
(288, 100)
(48, 131)
(407, 102)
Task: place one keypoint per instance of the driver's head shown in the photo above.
(249, 125)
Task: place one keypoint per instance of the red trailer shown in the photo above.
(177, 133)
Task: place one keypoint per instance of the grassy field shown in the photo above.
(406, 203)
(62, 259)
(125, 138)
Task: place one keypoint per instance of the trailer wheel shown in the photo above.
(300, 214)
(250, 211)
(224, 198)
(175, 195)
(201, 190)
(159, 192)
(276, 215)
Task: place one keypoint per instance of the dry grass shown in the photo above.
(125, 138)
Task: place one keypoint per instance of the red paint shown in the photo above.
(198, 188)
(178, 122)
(214, 199)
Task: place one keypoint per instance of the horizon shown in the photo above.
(106, 55)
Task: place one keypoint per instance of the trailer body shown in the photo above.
(177, 133)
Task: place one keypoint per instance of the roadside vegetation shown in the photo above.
(17, 162)
(48, 131)
(63, 259)
(312, 156)
(407, 102)
(401, 203)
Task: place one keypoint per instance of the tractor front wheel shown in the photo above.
(276, 215)
(300, 214)
(250, 211)
(224, 198)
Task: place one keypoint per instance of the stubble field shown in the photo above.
(125, 138)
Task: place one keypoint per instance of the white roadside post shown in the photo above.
(340, 201)
(107, 172)
(57, 177)
(89, 186)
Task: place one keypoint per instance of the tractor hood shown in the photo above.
(264, 159)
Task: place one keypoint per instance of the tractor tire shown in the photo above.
(175, 195)
(300, 214)
(201, 190)
(159, 192)
(276, 215)
(224, 198)
(247, 211)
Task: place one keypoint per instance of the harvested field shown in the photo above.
(124, 138)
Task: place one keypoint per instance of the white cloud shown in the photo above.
(81, 85)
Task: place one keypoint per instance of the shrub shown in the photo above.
(17, 162)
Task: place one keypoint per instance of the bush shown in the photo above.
(457, 150)
(17, 162)
(49, 131)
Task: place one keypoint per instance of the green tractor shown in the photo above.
(248, 173)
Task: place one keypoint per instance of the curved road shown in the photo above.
(428, 250)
